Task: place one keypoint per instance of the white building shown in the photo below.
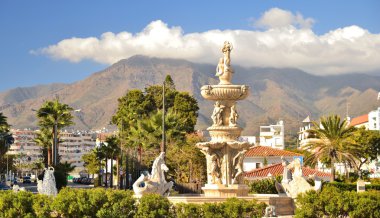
(73, 146)
(374, 119)
(24, 148)
(260, 156)
(273, 135)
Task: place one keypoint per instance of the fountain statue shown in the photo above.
(224, 154)
(294, 183)
(154, 182)
(48, 185)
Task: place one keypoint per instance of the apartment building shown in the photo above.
(273, 135)
(73, 146)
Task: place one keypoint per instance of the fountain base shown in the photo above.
(216, 190)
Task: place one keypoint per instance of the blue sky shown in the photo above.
(28, 28)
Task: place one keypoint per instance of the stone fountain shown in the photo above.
(224, 154)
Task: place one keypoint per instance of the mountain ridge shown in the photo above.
(276, 93)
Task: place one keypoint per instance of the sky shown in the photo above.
(65, 41)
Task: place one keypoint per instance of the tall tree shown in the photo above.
(367, 146)
(139, 117)
(44, 138)
(334, 142)
(4, 134)
(54, 114)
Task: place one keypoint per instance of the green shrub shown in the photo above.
(154, 206)
(16, 204)
(65, 203)
(236, 208)
(118, 204)
(213, 210)
(341, 186)
(42, 205)
(367, 205)
(333, 202)
(264, 186)
(184, 210)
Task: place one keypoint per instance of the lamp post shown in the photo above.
(163, 149)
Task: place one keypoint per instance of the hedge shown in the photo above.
(351, 186)
(333, 202)
(267, 186)
(98, 202)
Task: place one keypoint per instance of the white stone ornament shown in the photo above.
(154, 182)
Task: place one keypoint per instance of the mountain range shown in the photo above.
(275, 94)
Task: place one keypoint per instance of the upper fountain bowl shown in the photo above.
(225, 92)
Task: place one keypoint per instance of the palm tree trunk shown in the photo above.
(49, 157)
(332, 169)
(106, 181)
(111, 176)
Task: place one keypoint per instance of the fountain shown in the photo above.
(224, 154)
(48, 186)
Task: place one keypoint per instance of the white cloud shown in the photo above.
(289, 43)
(276, 17)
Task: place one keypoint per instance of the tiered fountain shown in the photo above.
(224, 154)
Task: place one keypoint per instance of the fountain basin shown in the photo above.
(225, 92)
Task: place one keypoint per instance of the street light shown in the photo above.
(163, 119)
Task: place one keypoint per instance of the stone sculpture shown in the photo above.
(217, 117)
(287, 174)
(224, 153)
(154, 182)
(270, 211)
(48, 186)
(297, 183)
(224, 70)
(233, 116)
(237, 162)
(213, 162)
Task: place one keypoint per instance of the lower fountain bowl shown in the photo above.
(224, 133)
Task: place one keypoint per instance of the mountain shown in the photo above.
(287, 94)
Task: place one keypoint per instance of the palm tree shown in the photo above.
(4, 126)
(112, 150)
(44, 139)
(333, 145)
(54, 115)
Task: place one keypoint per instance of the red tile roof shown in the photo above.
(359, 120)
(278, 169)
(264, 151)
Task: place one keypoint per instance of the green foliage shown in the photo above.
(108, 203)
(350, 186)
(334, 144)
(367, 146)
(42, 205)
(16, 204)
(186, 163)
(91, 162)
(118, 204)
(4, 130)
(236, 208)
(264, 186)
(184, 210)
(61, 172)
(154, 206)
(333, 202)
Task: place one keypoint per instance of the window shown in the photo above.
(257, 165)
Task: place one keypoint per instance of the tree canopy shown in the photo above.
(334, 142)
